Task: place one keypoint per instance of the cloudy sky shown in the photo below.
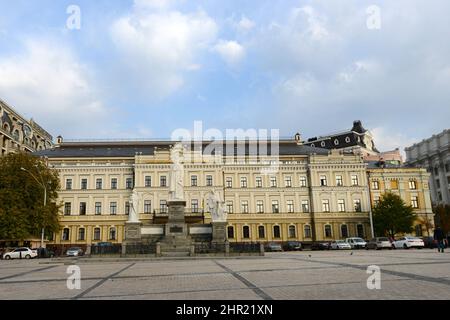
(143, 68)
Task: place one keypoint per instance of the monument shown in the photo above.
(133, 225)
(218, 217)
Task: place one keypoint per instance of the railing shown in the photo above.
(137, 249)
(208, 247)
(106, 250)
(244, 247)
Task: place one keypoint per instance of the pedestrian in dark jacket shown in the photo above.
(439, 237)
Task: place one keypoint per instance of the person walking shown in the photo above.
(439, 237)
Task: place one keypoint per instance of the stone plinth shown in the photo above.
(133, 231)
(176, 241)
(219, 232)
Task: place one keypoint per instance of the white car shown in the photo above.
(408, 242)
(340, 245)
(356, 243)
(20, 253)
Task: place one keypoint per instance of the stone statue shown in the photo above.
(216, 207)
(177, 173)
(134, 207)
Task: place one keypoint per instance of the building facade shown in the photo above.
(18, 134)
(434, 155)
(303, 194)
(411, 184)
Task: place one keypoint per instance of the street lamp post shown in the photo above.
(42, 184)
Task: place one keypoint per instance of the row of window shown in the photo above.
(412, 184)
(112, 234)
(288, 181)
(292, 231)
(414, 201)
(99, 183)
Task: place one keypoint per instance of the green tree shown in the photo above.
(22, 210)
(442, 217)
(391, 216)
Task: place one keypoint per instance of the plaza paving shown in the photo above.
(405, 274)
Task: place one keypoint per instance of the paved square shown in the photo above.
(405, 274)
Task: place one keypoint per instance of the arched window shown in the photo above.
(261, 232)
(66, 234)
(276, 232)
(81, 234)
(112, 233)
(292, 233)
(328, 233)
(230, 232)
(6, 127)
(96, 233)
(344, 231)
(307, 231)
(246, 232)
(16, 135)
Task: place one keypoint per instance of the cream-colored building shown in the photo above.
(18, 134)
(302, 194)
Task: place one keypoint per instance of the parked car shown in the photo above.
(45, 253)
(20, 253)
(379, 243)
(356, 243)
(293, 246)
(74, 252)
(408, 242)
(320, 246)
(340, 245)
(273, 246)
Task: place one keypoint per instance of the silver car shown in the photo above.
(74, 252)
(379, 243)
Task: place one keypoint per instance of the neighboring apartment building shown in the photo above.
(411, 184)
(314, 194)
(18, 134)
(434, 155)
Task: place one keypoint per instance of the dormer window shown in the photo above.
(336, 142)
(347, 139)
(322, 144)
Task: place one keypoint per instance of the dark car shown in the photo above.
(45, 253)
(293, 246)
(430, 243)
(273, 246)
(320, 246)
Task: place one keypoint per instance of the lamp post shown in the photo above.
(42, 184)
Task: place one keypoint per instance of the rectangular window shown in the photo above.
(163, 181)
(323, 181)
(81, 233)
(68, 184)
(288, 182)
(438, 184)
(354, 180)
(375, 185)
(98, 184)
(246, 232)
(67, 209)
(129, 183)
(113, 208)
(273, 182)
(83, 184)
(194, 205)
(394, 184)
(412, 185)
(193, 181)
(209, 180)
(147, 206)
(259, 206)
(275, 206)
(163, 206)
(258, 182)
(303, 182)
(290, 206)
(415, 202)
(230, 207)
(357, 205)
(244, 206)
(243, 182)
(82, 208)
(325, 205)
(114, 183)
(447, 167)
(305, 206)
(339, 181)
(148, 181)
(127, 207)
(229, 182)
(98, 208)
(341, 205)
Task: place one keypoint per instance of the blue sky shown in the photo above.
(143, 68)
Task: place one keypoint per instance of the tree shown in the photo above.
(22, 210)
(442, 217)
(391, 216)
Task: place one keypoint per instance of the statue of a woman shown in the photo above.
(177, 174)
(134, 207)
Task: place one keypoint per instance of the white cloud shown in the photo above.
(230, 51)
(245, 24)
(48, 83)
(157, 47)
(386, 140)
(145, 4)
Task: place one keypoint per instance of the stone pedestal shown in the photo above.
(176, 241)
(219, 232)
(133, 231)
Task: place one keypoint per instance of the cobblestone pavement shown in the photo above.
(405, 274)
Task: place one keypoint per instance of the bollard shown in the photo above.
(124, 249)
(88, 249)
(261, 249)
(192, 253)
(227, 249)
(158, 249)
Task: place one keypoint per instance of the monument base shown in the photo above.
(219, 232)
(176, 240)
(133, 231)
